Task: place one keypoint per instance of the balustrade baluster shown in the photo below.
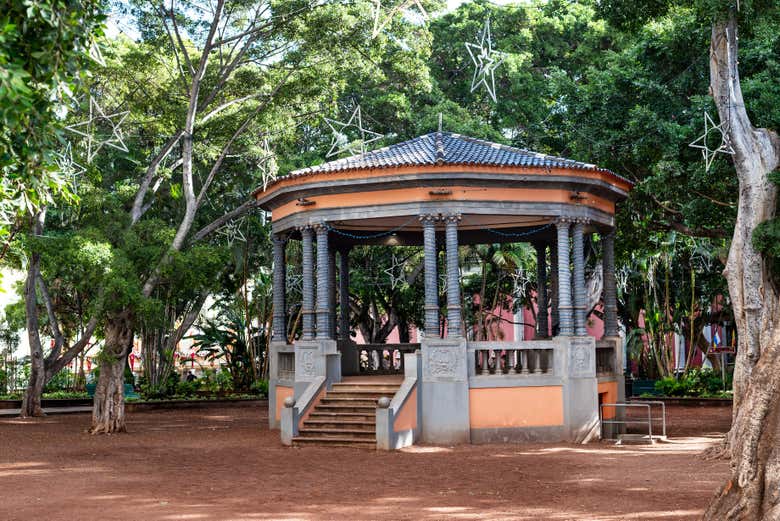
(538, 368)
(512, 356)
(485, 361)
(524, 361)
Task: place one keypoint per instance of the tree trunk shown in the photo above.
(751, 490)
(108, 412)
(31, 403)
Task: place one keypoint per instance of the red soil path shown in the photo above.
(224, 464)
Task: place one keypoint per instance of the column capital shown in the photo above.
(563, 221)
(581, 220)
(280, 238)
(305, 228)
(452, 217)
(320, 227)
(429, 218)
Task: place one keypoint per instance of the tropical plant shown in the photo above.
(226, 340)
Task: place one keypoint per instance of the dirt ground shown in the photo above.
(224, 464)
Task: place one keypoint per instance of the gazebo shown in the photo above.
(450, 189)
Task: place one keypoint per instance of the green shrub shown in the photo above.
(186, 389)
(260, 387)
(696, 382)
(65, 395)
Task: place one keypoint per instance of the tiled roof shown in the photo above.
(445, 148)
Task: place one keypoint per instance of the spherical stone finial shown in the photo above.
(289, 402)
(383, 402)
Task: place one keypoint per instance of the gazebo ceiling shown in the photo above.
(442, 172)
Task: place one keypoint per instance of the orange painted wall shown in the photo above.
(608, 393)
(516, 407)
(459, 193)
(407, 416)
(281, 395)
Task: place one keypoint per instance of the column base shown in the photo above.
(445, 391)
(581, 401)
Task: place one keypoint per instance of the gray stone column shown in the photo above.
(431, 276)
(578, 252)
(454, 319)
(541, 290)
(553, 296)
(279, 288)
(332, 291)
(307, 308)
(323, 280)
(565, 310)
(344, 333)
(610, 286)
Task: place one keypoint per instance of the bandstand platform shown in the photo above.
(450, 190)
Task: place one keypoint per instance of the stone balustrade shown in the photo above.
(383, 358)
(512, 358)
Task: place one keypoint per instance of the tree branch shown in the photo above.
(55, 366)
(138, 203)
(54, 325)
(246, 207)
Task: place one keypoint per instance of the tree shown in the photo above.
(751, 489)
(44, 54)
(240, 73)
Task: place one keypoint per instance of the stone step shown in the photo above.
(360, 394)
(317, 432)
(340, 441)
(339, 423)
(329, 400)
(359, 385)
(363, 409)
(338, 416)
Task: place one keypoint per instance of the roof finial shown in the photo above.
(439, 121)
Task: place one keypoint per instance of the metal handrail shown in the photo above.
(644, 404)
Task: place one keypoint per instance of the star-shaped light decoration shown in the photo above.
(443, 282)
(486, 61)
(68, 167)
(294, 282)
(97, 117)
(95, 54)
(381, 20)
(232, 231)
(340, 141)
(520, 281)
(701, 142)
(397, 276)
(268, 167)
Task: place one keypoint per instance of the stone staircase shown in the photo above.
(345, 416)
